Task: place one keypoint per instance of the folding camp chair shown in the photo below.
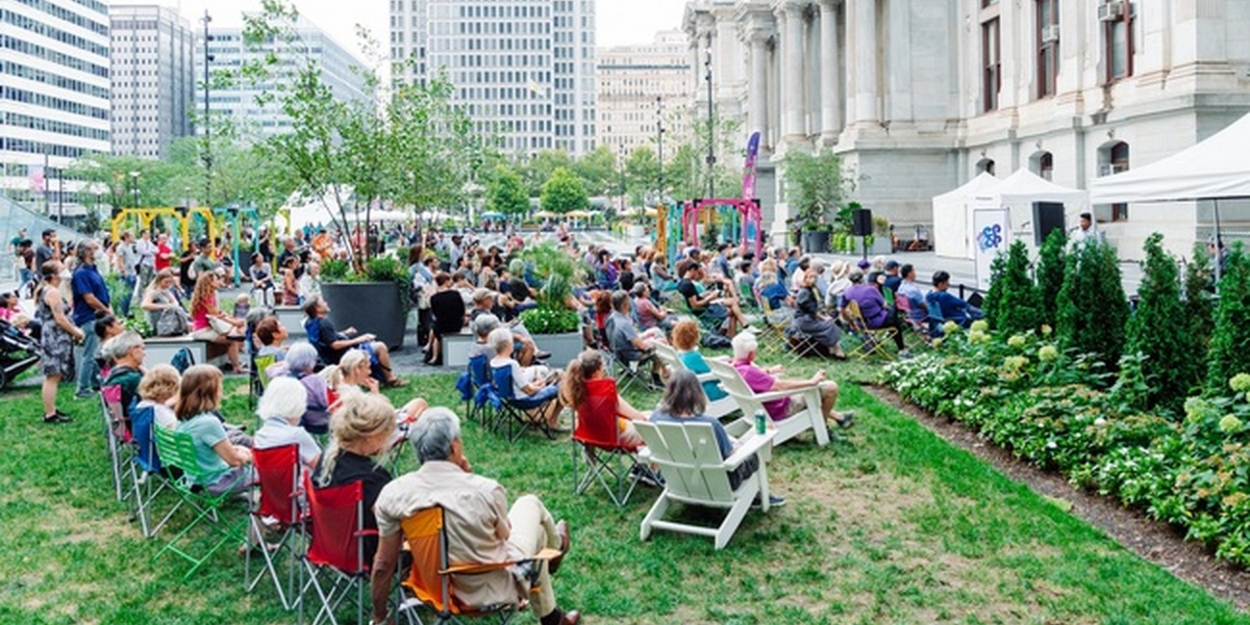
(148, 478)
(936, 320)
(515, 412)
(872, 341)
(596, 441)
(906, 308)
(782, 340)
(177, 449)
(259, 378)
(335, 562)
(634, 372)
(117, 436)
(695, 474)
(476, 392)
(277, 507)
(431, 580)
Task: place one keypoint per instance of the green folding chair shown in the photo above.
(177, 449)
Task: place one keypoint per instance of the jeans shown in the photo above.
(128, 291)
(88, 371)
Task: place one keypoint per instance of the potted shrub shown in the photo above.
(555, 326)
(816, 185)
(374, 300)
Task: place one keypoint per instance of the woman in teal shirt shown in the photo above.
(686, 340)
(224, 466)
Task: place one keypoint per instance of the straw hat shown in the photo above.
(838, 269)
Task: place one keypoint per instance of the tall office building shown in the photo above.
(630, 79)
(54, 96)
(153, 56)
(525, 69)
(228, 52)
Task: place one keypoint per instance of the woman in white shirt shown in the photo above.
(535, 388)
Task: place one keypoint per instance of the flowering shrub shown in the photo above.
(1057, 410)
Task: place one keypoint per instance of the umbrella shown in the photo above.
(544, 215)
(494, 216)
(580, 214)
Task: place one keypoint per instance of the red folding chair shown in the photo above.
(596, 440)
(335, 562)
(278, 478)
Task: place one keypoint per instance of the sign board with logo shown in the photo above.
(990, 237)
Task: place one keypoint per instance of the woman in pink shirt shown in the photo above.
(204, 310)
(765, 380)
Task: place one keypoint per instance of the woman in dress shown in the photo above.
(810, 321)
(56, 344)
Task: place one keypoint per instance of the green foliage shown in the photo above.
(559, 272)
(335, 270)
(1012, 305)
(1051, 265)
(550, 321)
(1230, 343)
(505, 193)
(1093, 310)
(564, 193)
(542, 167)
(816, 186)
(1157, 331)
(642, 170)
(597, 169)
(1199, 306)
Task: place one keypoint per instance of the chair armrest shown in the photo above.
(479, 568)
(750, 447)
(771, 395)
(707, 377)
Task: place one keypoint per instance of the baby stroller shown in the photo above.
(18, 352)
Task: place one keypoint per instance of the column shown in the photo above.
(791, 17)
(757, 96)
(864, 23)
(830, 72)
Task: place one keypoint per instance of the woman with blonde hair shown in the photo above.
(362, 428)
(587, 367)
(352, 375)
(209, 323)
(56, 343)
(158, 390)
(226, 467)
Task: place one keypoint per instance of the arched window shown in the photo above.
(1113, 158)
(1043, 164)
(986, 166)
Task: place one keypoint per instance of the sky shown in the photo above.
(619, 21)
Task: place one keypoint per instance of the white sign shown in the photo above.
(990, 234)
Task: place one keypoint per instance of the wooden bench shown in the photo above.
(291, 318)
(456, 349)
(161, 350)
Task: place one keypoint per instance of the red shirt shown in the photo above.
(163, 256)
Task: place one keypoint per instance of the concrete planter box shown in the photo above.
(370, 307)
(563, 347)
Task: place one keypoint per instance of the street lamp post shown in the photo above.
(711, 131)
(659, 134)
(134, 188)
(208, 127)
(622, 158)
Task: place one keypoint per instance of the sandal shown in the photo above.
(847, 420)
(394, 383)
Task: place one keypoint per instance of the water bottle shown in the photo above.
(761, 421)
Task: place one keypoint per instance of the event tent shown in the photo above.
(953, 212)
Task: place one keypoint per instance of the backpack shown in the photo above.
(182, 360)
(173, 322)
(712, 340)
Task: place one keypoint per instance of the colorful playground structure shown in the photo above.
(732, 220)
(214, 220)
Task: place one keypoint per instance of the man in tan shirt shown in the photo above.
(480, 527)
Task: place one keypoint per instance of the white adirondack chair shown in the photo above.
(718, 409)
(695, 474)
(810, 418)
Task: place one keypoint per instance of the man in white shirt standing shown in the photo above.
(1087, 232)
(126, 263)
(146, 250)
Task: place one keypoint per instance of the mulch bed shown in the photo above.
(1157, 542)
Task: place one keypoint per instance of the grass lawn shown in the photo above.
(889, 525)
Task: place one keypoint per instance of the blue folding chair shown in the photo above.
(147, 474)
(478, 394)
(936, 321)
(516, 411)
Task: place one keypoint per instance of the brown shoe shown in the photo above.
(562, 530)
(571, 618)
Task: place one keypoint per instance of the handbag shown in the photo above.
(173, 322)
(220, 326)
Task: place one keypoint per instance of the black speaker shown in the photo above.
(861, 222)
(1047, 217)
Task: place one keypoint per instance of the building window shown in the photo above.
(1047, 47)
(991, 60)
(1113, 159)
(1117, 18)
(1043, 164)
(985, 166)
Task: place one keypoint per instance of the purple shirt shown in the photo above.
(761, 382)
(871, 303)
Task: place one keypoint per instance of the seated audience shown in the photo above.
(204, 312)
(262, 279)
(158, 390)
(589, 366)
(126, 352)
(910, 289)
(361, 429)
(839, 282)
(811, 320)
(226, 467)
(448, 309)
(684, 403)
(478, 528)
(301, 360)
(535, 383)
(280, 410)
(952, 306)
(893, 276)
(332, 344)
(872, 307)
(627, 344)
(765, 380)
(711, 305)
(686, 342)
(484, 302)
(352, 376)
(270, 334)
(649, 314)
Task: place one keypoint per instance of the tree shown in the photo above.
(1013, 305)
(1156, 331)
(642, 171)
(564, 193)
(1230, 343)
(1093, 309)
(1199, 307)
(1051, 265)
(598, 171)
(542, 166)
(505, 193)
(816, 186)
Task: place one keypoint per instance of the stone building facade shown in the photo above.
(919, 96)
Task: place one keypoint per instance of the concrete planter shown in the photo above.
(564, 347)
(370, 307)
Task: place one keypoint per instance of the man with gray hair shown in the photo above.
(91, 297)
(480, 526)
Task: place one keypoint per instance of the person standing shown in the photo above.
(91, 296)
(126, 263)
(47, 250)
(146, 251)
(164, 254)
(56, 342)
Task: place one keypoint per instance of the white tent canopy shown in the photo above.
(1213, 169)
(952, 212)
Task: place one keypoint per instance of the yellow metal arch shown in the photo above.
(147, 215)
